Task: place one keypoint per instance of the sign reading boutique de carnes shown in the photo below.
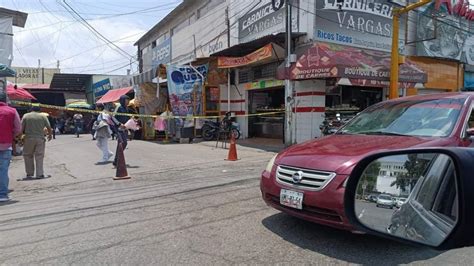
(358, 23)
(265, 20)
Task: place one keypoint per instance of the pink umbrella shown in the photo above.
(15, 93)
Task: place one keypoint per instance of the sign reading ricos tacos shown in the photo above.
(359, 23)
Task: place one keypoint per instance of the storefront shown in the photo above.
(345, 80)
(255, 95)
(266, 104)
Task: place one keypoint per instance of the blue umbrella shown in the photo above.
(6, 71)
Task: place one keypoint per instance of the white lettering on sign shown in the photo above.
(258, 15)
(161, 53)
(366, 6)
(363, 25)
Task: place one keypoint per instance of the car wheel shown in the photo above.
(377, 206)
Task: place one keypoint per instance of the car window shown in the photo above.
(435, 118)
(446, 204)
(431, 183)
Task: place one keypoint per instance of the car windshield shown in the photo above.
(385, 198)
(430, 118)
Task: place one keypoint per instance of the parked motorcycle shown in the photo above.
(211, 129)
(332, 125)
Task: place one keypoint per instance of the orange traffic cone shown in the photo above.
(232, 156)
(121, 172)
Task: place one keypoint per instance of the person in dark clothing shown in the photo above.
(119, 124)
(52, 121)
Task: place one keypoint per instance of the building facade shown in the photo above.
(342, 58)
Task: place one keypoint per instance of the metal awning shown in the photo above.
(248, 47)
(6, 71)
(76, 82)
(114, 95)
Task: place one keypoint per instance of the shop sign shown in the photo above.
(264, 21)
(184, 83)
(324, 60)
(379, 83)
(264, 84)
(448, 33)
(161, 54)
(100, 88)
(258, 55)
(215, 45)
(359, 23)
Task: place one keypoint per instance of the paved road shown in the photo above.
(373, 216)
(184, 205)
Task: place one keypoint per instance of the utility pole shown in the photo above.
(288, 84)
(228, 70)
(38, 73)
(396, 58)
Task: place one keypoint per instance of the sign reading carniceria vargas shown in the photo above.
(359, 23)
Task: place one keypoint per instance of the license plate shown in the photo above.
(291, 199)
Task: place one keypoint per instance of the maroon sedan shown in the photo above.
(308, 180)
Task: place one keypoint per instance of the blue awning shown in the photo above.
(6, 71)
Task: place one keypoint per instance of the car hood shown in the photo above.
(339, 153)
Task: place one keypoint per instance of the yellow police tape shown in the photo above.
(79, 110)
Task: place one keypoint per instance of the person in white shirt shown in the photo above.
(103, 133)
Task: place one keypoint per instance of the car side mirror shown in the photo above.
(470, 132)
(418, 196)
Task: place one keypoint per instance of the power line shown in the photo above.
(93, 30)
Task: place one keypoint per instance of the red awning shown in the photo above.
(327, 60)
(114, 95)
(18, 93)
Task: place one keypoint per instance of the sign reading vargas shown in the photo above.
(359, 23)
(185, 89)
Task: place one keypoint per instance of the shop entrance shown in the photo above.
(263, 101)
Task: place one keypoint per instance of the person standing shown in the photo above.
(10, 127)
(119, 124)
(33, 126)
(103, 133)
(52, 122)
(78, 123)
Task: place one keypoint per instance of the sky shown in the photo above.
(53, 33)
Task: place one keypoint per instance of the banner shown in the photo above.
(101, 87)
(260, 54)
(185, 89)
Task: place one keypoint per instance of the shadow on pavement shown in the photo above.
(8, 202)
(33, 178)
(342, 245)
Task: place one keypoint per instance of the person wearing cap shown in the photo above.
(10, 128)
(33, 125)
